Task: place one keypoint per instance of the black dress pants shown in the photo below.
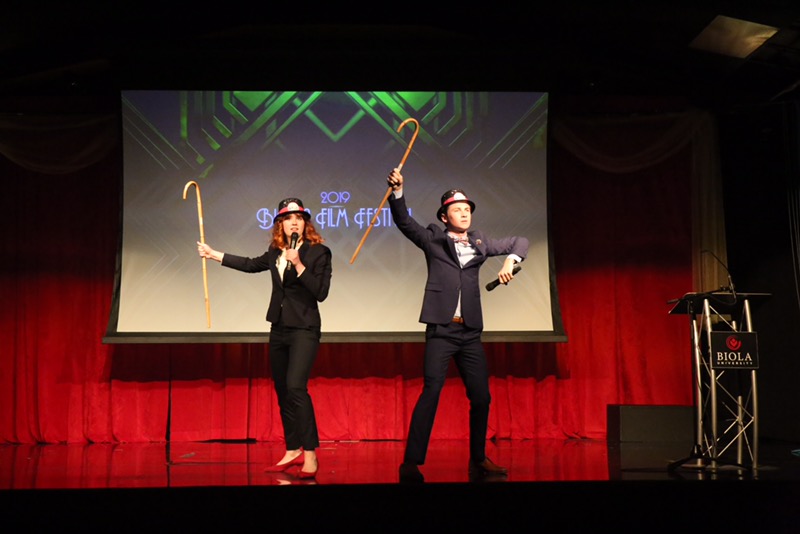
(463, 345)
(292, 352)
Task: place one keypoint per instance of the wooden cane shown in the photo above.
(203, 241)
(388, 189)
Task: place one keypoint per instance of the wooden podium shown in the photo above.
(725, 363)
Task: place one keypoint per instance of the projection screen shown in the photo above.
(247, 150)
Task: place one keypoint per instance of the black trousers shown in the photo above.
(292, 353)
(462, 344)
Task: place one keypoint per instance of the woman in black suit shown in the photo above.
(300, 266)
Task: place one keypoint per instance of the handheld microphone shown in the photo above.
(496, 282)
(727, 272)
(295, 237)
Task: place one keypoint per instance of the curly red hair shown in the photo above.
(310, 234)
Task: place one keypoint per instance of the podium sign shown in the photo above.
(734, 350)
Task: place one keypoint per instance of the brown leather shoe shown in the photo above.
(486, 468)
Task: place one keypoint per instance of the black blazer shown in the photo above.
(294, 302)
(445, 274)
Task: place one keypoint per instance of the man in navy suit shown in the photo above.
(451, 311)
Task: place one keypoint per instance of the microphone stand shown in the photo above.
(730, 286)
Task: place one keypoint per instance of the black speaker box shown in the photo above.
(635, 423)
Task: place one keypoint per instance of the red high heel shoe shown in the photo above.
(280, 468)
(308, 474)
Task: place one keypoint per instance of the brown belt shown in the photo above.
(459, 320)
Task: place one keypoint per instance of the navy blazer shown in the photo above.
(445, 274)
(295, 300)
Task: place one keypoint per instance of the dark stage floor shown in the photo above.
(553, 485)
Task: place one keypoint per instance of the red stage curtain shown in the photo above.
(621, 201)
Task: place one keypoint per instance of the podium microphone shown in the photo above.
(727, 272)
(496, 282)
(295, 237)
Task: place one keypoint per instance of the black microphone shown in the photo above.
(727, 272)
(295, 237)
(496, 282)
